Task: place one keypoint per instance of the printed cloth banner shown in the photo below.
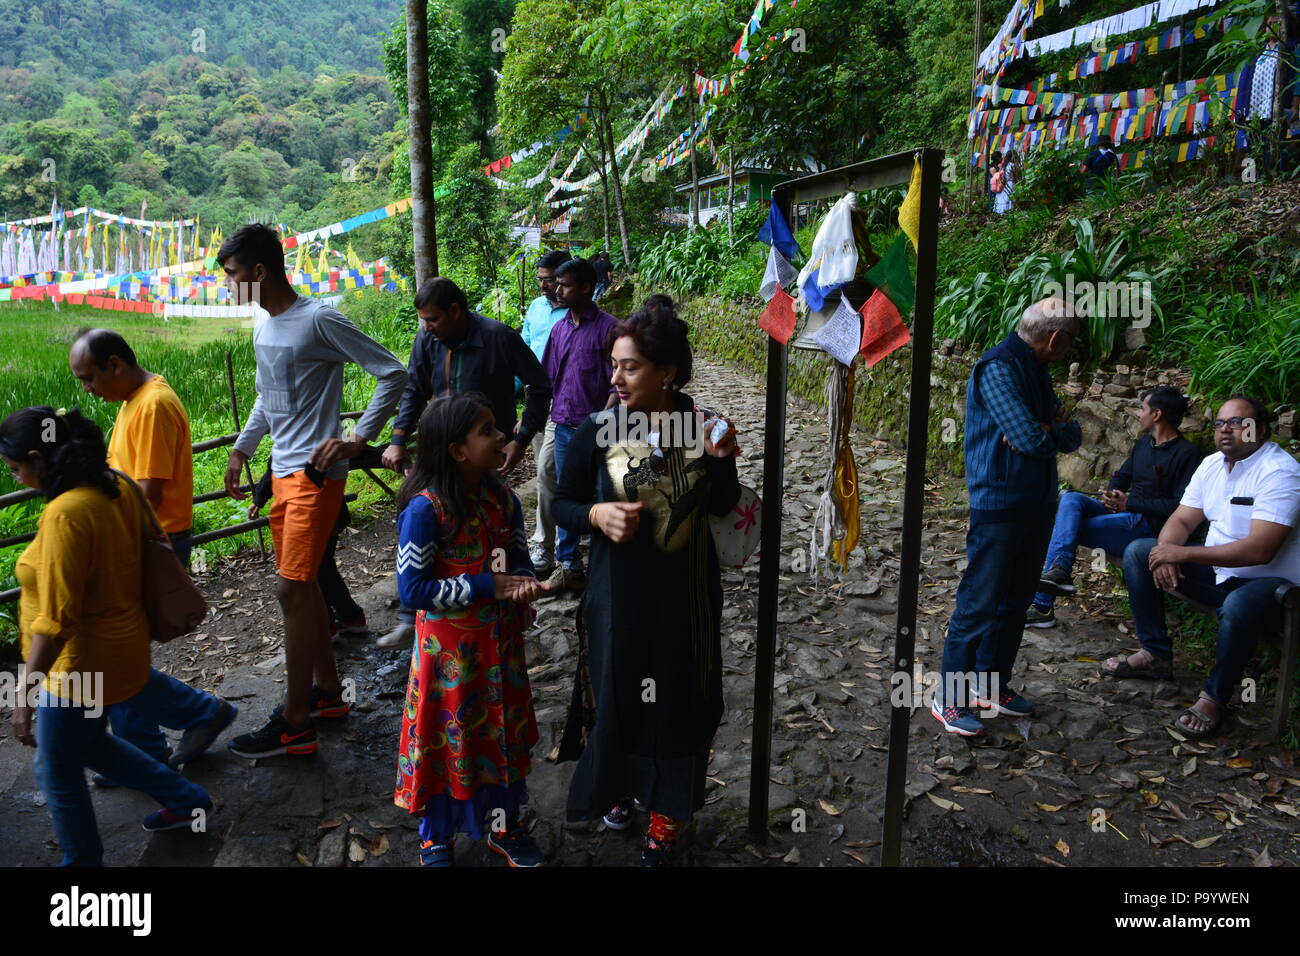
(841, 336)
(892, 275)
(909, 213)
(778, 275)
(778, 318)
(883, 329)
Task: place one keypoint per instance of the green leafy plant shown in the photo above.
(987, 307)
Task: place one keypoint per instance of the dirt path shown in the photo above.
(1033, 793)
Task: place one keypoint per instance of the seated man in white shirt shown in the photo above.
(1249, 491)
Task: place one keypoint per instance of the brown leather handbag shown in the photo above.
(172, 603)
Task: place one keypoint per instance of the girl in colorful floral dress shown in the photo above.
(468, 726)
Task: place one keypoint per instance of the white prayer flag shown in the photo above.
(842, 335)
(779, 273)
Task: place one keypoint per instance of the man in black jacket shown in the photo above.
(1143, 493)
(461, 351)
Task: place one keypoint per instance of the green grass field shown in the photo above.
(190, 353)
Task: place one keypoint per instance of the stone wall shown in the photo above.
(1106, 409)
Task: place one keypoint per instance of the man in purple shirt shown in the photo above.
(577, 361)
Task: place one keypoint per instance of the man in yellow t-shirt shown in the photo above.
(151, 443)
(150, 440)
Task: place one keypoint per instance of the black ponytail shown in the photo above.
(70, 449)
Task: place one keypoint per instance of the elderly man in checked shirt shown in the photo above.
(1015, 428)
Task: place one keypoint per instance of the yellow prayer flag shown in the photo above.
(323, 265)
(909, 213)
(354, 261)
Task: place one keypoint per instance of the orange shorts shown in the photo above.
(302, 520)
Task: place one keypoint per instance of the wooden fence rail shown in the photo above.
(208, 444)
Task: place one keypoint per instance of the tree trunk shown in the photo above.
(691, 140)
(600, 166)
(424, 229)
(618, 182)
(604, 206)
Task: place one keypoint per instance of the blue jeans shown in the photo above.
(566, 542)
(166, 701)
(1003, 559)
(67, 742)
(1081, 520)
(182, 544)
(1245, 607)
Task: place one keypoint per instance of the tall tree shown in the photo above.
(430, 84)
(424, 214)
(549, 76)
(689, 37)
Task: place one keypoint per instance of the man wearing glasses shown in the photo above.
(543, 312)
(1249, 492)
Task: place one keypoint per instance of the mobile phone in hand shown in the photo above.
(315, 476)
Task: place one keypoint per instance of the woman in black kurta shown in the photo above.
(648, 697)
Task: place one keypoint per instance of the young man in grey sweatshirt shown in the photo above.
(301, 348)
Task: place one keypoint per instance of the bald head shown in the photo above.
(105, 365)
(1049, 327)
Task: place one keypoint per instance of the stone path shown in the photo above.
(1095, 779)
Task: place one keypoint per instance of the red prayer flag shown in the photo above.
(777, 319)
(883, 329)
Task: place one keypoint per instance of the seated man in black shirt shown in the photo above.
(1142, 495)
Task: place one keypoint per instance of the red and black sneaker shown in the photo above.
(275, 739)
(323, 705)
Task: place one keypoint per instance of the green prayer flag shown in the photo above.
(892, 275)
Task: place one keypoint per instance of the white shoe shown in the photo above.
(399, 636)
(543, 559)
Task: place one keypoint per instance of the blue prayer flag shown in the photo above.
(776, 232)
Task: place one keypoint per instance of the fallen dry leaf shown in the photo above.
(971, 790)
(1189, 768)
(945, 804)
(856, 856)
(379, 845)
(1062, 848)
(829, 808)
(1152, 798)
(332, 822)
(1049, 807)
(302, 858)
(356, 851)
(1240, 763)
(1048, 860)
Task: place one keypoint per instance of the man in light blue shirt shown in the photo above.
(543, 312)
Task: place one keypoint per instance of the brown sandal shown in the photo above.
(1213, 724)
(1159, 669)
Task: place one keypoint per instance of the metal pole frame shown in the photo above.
(875, 174)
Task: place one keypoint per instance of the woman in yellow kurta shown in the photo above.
(85, 637)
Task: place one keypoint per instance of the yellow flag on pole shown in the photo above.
(909, 213)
